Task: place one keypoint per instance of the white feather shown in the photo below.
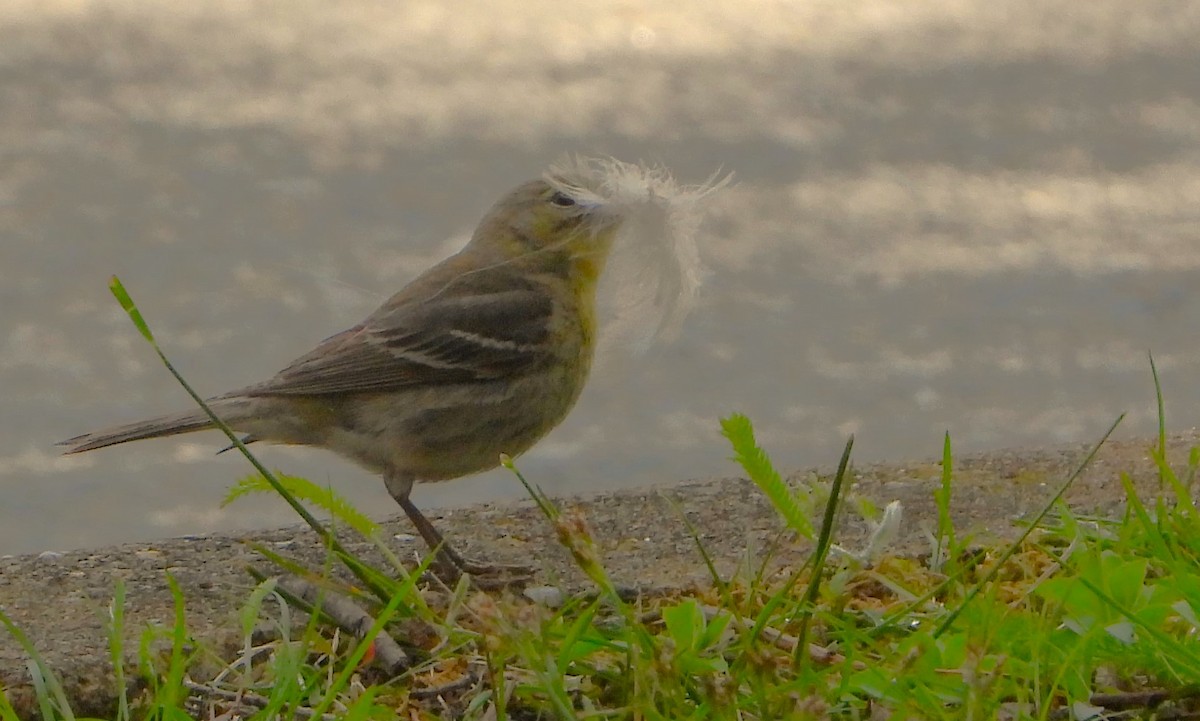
(654, 271)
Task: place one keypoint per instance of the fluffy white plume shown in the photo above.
(654, 271)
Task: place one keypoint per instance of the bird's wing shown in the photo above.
(450, 339)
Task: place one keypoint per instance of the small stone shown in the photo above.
(548, 596)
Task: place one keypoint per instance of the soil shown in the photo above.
(61, 601)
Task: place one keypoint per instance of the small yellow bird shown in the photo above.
(482, 354)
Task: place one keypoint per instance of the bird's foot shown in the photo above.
(485, 576)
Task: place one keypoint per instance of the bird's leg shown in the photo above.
(449, 562)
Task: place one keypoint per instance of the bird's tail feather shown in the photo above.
(160, 427)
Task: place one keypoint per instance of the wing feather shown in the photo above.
(453, 338)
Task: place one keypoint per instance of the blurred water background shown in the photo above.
(959, 215)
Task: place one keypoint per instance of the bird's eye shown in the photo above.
(562, 200)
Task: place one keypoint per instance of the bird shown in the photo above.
(481, 355)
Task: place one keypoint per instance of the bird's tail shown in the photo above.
(160, 427)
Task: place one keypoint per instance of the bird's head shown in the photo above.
(550, 223)
(567, 222)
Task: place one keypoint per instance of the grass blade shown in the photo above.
(792, 506)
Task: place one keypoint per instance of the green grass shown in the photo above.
(1077, 618)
